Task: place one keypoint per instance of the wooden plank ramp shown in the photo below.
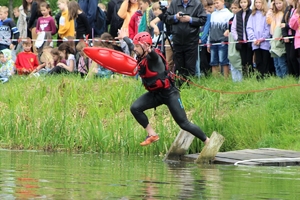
(254, 157)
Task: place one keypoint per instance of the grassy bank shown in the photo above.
(69, 113)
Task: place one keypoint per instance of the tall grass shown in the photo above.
(67, 113)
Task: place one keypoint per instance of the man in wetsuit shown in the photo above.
(161, 90)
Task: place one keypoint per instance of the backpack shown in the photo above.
(100, 23)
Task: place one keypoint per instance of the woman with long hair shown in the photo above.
(25, 13)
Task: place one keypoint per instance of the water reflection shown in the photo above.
(195, 181)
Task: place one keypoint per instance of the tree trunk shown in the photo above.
(11, 8)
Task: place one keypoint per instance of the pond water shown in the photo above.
(41, 175)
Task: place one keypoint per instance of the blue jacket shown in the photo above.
(89, 7)
(205, 30)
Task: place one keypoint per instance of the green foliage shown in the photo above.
(70, 114)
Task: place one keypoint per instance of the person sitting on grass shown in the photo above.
(83, 63)
(153, 70)
(26, 61)
(66, 52)
(7, 65)
(46, 60)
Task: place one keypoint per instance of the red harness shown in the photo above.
(153, 80)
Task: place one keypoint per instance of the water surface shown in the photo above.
(41, 175)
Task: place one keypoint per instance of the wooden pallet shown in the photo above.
(256, 157)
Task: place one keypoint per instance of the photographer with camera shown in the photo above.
(164, 32)
(186, 17)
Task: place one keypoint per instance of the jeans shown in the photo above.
(219, 55)
(281, 66)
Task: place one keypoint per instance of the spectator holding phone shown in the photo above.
(186, 17)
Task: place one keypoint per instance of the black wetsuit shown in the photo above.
(169, 96)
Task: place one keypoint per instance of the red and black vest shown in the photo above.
(155, 80)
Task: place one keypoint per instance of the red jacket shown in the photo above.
(134, 23)
(26, 62)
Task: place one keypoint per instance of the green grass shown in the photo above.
(67, 113)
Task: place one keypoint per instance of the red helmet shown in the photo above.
(142, 37)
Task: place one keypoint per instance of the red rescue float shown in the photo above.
(113, 60)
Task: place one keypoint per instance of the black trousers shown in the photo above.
(246, 53)
(58, 70)
(293, 64)
(204, 61)
(291, 53)
(185, 58)
(171, 98)
(263, 60)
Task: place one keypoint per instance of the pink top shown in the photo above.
(295, 24)
(46, 24)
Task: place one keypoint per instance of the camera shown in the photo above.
(183, 14)
(163, 5)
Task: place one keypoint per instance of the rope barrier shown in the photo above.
(117, 41)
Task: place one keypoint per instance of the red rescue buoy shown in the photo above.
(113, 60)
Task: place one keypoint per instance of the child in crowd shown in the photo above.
(51, 60)
(67, 53)
(46, 60)
(209, 8)
(45, 27)
(148, 16)
(8, 30)
(233, 54)
(84, 63)
(22, 30)
(218, 25)
(239, 33)
(56, 57)
(66, 26)
(7, 65)
(82, 25)
(294, 24)
(274, 18)
(258, 31)
(204, 32)
(26, 61)
(135, 22)
(234, 8)
(158, 13)
(16, 15)
(288, 34)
